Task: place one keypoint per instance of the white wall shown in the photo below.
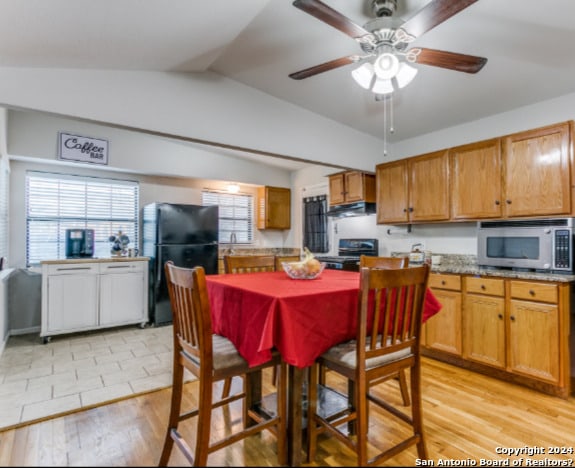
(524, 118)
(35, 134)
(441, 238)
(205, 105)
(152, 189)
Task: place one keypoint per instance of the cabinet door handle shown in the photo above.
(405, 210)
(508, 202)
(497, 202)
(411, 209)
(512, 318)
(500, 316)
(74, 268)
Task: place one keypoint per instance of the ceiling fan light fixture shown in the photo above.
(363, 75)
(382, 86)
(405, 74)
(386, 66)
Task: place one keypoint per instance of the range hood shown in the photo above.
(351, 209)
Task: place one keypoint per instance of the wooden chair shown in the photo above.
(390, 263)
(387, 341)
(212, 358)
(238, 264)
(249, 263)
(285, 258)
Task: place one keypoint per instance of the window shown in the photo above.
(56, 202)
(315, 224)
(236, 215)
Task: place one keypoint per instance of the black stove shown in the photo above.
(349, 252)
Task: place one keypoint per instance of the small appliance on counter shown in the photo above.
(79, 243)
(416, 256)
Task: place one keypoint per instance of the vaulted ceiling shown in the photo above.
(528, 44)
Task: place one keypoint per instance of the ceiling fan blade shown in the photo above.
(433, 14)
(450, 60)
(332, 64)
(332, 17)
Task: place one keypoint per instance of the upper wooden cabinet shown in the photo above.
(273, 208)
(523, 174)
(414, 189)
(536, 171)
(351, 187)
(476, 182)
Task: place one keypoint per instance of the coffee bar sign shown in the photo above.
(83, 149)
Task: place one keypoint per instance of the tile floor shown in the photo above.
(81, 370)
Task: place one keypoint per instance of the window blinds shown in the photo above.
(56, 202)
(236, 215)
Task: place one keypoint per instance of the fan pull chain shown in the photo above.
(384, 127)
(391, 128)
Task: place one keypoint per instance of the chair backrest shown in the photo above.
(191, 313)
(285, 258)
(383, 262)
(249, 263)
(391, 310)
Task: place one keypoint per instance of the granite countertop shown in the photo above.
(467, 265)
(501, 273)
(95, 260)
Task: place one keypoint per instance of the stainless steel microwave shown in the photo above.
(536, 244)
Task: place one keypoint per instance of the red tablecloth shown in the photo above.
(301, 318)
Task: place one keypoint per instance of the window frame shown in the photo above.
(229, 225)
(58, 201)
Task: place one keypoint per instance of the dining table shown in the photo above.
(301, 319)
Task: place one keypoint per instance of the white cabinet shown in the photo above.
(71, 297)
(79, 295)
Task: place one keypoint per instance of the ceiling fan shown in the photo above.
(384, 41)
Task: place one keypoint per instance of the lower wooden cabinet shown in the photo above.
(443, 330)
(516, 330)
(534, 330)
(484, 325)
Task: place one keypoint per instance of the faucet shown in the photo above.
(233, 240)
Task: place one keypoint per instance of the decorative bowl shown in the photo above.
(295, 271)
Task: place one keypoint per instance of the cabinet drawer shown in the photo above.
(534, 291)
(73, 268)
(489, 286)
(122, 267)
(441, 281)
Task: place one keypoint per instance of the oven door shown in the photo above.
(524, 247)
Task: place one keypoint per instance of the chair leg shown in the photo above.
(282, 445)
(226, 388)
(403, 387)
(174, 418)
(361, 423)
(322, 373)
(204, 422)
(275, 375)
(415, 377)
(311, 410)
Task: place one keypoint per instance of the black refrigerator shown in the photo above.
(185, 234)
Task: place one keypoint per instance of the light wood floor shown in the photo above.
(468, 417)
